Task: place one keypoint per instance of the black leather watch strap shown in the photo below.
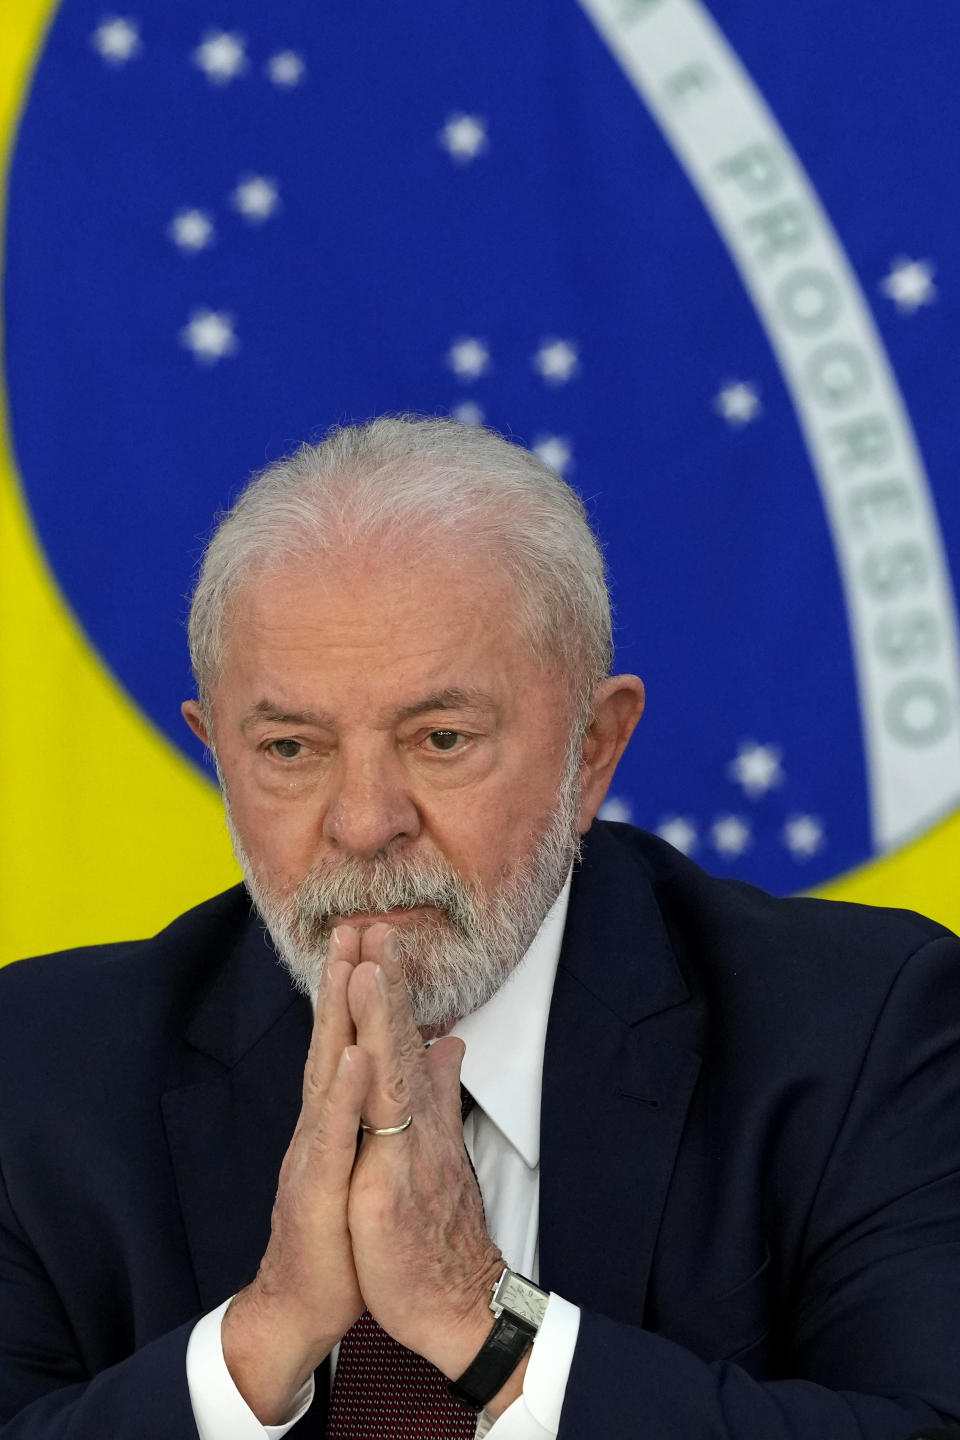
(505, 1347)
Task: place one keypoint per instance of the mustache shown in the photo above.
(349, 886)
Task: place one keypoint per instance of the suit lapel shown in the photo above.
(229, 1126)
(619, 1071)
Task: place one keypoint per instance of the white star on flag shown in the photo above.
(209, 334)
(286, 69)
(464, 137)
(679, 832)
(555, 451)
(738, 402)
(910, 285)
(756, 768)
(256, 198)
(613, 808)
(191, 230)
(803, 836)
(468, 357)
(116, 40)
(468, 413)
(730, 835)
(556, 361)
(221, 56)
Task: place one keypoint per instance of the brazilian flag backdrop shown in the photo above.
(703, 257)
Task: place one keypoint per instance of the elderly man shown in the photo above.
(702, 1176)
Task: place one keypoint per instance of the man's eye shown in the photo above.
(286, 749)
(444, 739)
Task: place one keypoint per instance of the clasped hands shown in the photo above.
(395, 1226)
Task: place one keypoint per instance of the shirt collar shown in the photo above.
(505, 1038)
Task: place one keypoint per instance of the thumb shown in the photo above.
(444, 1058)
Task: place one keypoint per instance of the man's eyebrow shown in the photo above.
(451, 699)
(277, 715)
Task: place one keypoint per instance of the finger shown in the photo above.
(329, 1148)
(399, 1083)
(345, 943)
(378, 946)
(444, 1059)
(333, 1026)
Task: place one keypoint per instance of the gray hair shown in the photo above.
(424, 480)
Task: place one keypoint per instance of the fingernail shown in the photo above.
(335, 940)
(344, 1065)
(383, 984)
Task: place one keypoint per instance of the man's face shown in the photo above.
(385, 733)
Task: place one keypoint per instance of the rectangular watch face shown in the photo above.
(521, 1298)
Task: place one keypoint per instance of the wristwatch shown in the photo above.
(519, 1306)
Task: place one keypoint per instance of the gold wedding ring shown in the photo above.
(388, 1129)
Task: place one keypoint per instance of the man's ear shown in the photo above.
(617, 706)
(192, 712)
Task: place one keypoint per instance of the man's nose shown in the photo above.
(369, 805)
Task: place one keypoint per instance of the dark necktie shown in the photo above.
(382, 1391)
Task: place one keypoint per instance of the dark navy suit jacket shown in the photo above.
(750, 1168)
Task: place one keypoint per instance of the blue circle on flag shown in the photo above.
(222, 241)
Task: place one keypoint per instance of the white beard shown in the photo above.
(455, 958)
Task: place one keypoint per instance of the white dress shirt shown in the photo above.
(503, 1070)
